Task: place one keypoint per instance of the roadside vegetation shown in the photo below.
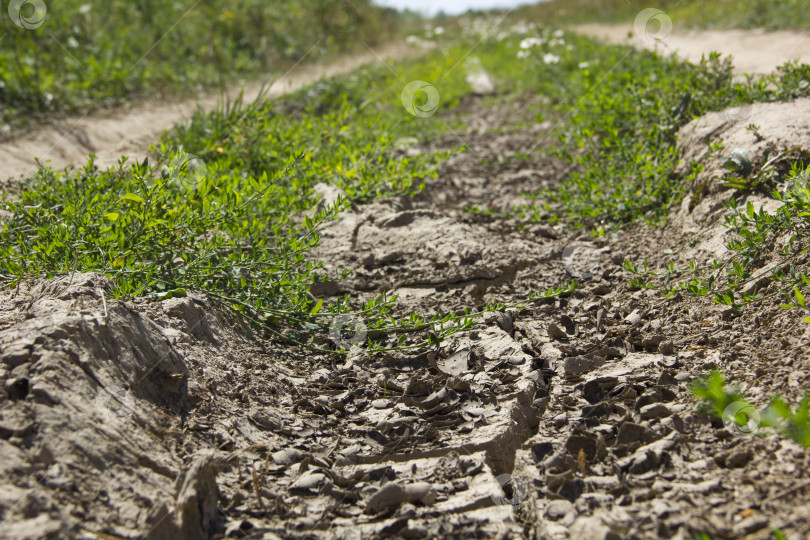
(737, 281)
(229, 207)
(723, 399)
(716, 14)
(74, 55)
(615, 113)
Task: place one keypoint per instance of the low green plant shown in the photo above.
(230, 208)
(75, 55)
(737, 280)
(724, 400)
(615, 112)
(162, 231)
(716, 14)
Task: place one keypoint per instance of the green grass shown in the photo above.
(715, 14)
(83, 54)
(615, 112)
(229, 207)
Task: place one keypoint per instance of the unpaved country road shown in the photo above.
(111, 134)
(114, 133)
(753, 51)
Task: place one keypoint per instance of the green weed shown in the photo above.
(230, 208)
(718, 14)
(739, 280)
(81, 54)
(726, 402)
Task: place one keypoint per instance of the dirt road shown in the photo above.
(571, 418)
(111, 134)
(754, 51)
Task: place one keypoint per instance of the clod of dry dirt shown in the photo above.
(779, 127)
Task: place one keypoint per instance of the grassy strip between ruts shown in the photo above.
(229, 207)
(615, 112)
(78, 54)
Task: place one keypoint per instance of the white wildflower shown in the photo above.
(523, 54)
(583, 65)
(528, 43)
(550, 58)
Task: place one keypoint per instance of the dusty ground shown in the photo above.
(568, 419)
(754, 51)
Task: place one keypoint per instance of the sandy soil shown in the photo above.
(115, 133)
(754, 51)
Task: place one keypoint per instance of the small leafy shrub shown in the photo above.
(738, 280)
(724, 401)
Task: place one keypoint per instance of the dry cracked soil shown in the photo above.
(568, 418)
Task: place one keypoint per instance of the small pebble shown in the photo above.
(516, 360)
(634, 318)
(666, 347)
(555, 332)
(655, 410)
(558, 510)
(381, 404)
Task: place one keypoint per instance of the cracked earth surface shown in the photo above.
(569, 418)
